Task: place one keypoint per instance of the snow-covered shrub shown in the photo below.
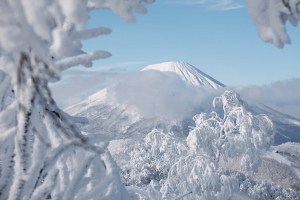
(278, 173)
(198, 177)
(262, 190)
(43, 153)
(151, 158)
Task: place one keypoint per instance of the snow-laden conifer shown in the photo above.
(43, 153)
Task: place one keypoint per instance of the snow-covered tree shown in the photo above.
(231, 132)
(270, 17)
(229, 137)
(149, 159)
(43, 154)
(215, 161)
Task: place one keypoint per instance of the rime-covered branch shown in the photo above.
(82, 59)
(41, 148)
(270, 17)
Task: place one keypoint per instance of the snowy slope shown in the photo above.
(188, 73)
(104, 115)
(110, 117)
(107, 115)
(145, 147)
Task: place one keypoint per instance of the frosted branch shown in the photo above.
(83, 59)
(91, 33)
(41, 143)
(270, 18)
(120, 7)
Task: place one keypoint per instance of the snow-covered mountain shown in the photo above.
(107, 114)
(162, 122)
(188, 73)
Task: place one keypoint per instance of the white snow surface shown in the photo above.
(169, 158)
(188, 73)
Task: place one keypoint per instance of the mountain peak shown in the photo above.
(187, 72)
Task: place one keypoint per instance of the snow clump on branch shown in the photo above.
(270, 17)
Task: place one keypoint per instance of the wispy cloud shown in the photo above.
(211, 4)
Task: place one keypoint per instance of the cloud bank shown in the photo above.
(159, 93)
(212, 4)
(165, 94)
(283, 96)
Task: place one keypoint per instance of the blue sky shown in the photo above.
(217, 36)
(220, 41)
